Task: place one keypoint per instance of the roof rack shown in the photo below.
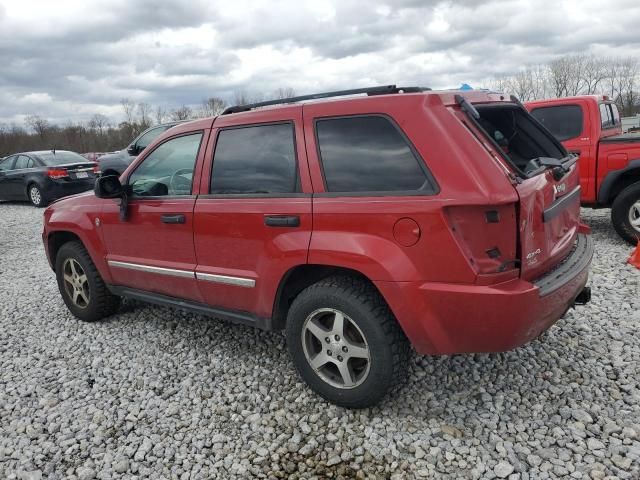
(382, 90)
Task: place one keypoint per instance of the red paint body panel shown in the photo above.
(597, 159)
(427, 254)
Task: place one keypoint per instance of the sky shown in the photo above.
(67, 60)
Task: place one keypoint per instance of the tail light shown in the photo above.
(96, 169)
(487, 236)
(57, 173)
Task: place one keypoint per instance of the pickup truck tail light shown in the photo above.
(487, 235)
(57, 173)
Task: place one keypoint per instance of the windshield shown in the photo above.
(60, 158)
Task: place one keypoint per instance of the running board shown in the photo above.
(233, 316)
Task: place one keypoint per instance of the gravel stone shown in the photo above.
(503, 469)
(158, 393)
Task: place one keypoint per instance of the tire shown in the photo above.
(35, 196)
(625, 209)
(90, 299)
(369, 329)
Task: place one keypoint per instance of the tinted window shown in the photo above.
(616, 114)
(563, 121)
(258, 159)
(368, 154)
(168, 170)
(60, 158)
(6, 163)
(146, 139)
(23, 162)
(606, 116)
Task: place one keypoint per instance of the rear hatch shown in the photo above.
(545, 177)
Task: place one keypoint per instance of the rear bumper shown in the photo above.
(441, 318)
(54, 189)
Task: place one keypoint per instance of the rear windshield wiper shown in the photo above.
(559, 167)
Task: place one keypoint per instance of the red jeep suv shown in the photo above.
(362, 226)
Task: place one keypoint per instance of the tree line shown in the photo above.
(581, 74)
(569, 75)
(99, 134)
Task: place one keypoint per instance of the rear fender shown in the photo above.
(375, 257)
(610, 180)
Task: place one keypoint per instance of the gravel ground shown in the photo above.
(155, 393)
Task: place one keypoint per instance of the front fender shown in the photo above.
(72, 217)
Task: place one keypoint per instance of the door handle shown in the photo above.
(282, 221)
(173, 219)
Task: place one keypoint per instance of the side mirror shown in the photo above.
(133, 150)
(108, 187)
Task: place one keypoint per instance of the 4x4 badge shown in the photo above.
(560, 188)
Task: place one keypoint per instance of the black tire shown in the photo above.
(36, 197)
(620, 212)
(387, 344)
(101, 302)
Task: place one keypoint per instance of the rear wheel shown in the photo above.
(625, 213)
(35, 195)
(81, 286)
(345, 342)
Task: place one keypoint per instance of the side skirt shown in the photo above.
(233, 316)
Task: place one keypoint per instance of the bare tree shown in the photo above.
(129, 109)
(283, 93)
(594, 74)
(182, 113)
(212, 106)
(241, 97)
(144, 115)
(38, 124)
(98, 122)
(160, 114)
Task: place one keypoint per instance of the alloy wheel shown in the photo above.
(76, 283)
(34, 194)
(336, 348)
(634, 216)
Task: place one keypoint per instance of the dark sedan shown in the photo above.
(41, 177)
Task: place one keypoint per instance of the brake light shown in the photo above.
(56, 173)
(487, 236)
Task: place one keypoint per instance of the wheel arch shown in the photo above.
(55, 240)
(296, 279)
(618, 180)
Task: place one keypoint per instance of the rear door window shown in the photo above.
(369, 154)
(563, 121)
(23, 162)
(255, 159)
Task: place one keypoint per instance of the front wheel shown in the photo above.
(625, 213)
(35, 196)
(345, 342)
(81, 286)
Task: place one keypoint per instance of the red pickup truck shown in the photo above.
(590, 127)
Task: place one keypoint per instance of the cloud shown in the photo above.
(68, 59)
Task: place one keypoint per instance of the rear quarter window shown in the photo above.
(563, 121)
(369, 154)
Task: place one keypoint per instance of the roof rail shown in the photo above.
(382, 90)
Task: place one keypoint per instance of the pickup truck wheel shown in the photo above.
(625, 213)
(345, 342)
(81, 286)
